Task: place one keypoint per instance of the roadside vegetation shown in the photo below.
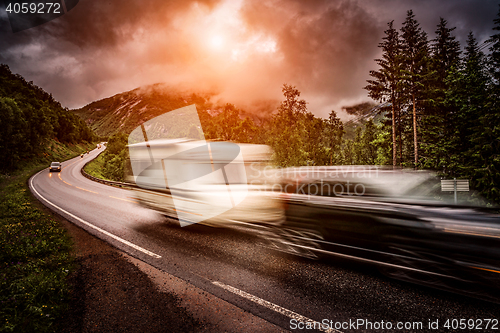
(112, 163)
(29, 118)
(35, 251)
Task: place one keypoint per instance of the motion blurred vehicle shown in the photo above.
(213, 183)
(398, 220)
(55, 166)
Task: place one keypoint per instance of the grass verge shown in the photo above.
(35, 251)
(113, 163)
(97, 167)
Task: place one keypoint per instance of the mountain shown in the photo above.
(125, 111)
(362, 113)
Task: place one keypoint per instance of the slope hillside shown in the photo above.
(125, 111)
(30, 119)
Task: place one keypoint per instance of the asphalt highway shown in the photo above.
(236, 265)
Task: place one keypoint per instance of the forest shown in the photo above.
(30, 118)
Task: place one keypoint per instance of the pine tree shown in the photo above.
(386, 84)
(368, 138)
(445, 50)
(472, 143)
(358, 148)
(415, 53)
(488, 144)
(494, 60)
(493, 118)
(348, 153)
(481, 121)
(334, 133)
(475, 95)
(438, 125)
(314, 147)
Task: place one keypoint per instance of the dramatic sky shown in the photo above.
(244, 50)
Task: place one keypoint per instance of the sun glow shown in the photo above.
(217, 41)
(224, 34)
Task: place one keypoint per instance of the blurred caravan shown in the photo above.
(196, 181)
(398, 220)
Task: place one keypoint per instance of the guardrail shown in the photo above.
(104, 181)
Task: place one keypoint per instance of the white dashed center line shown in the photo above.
(274, 307)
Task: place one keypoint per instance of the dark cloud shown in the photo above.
(325, 45)
(82, 56)
(466, 15)
(106, 24)
(325, 48)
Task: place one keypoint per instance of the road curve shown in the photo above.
(233, 265)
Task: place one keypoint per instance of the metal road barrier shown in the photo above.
(104, 181)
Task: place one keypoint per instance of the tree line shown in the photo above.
(29, 117)
(297, 136)
(444, 111)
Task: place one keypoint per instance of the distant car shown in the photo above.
(397, 220)
(55, 166)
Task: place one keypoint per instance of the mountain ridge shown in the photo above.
(123, 112)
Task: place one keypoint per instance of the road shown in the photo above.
(236, 266)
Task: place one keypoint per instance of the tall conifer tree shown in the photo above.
(415, 53)
(386, 84)
(438, 128)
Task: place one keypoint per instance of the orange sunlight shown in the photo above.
(217, 41)
(224, 30)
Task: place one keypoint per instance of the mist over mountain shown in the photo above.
(125, 111)
(361, 113)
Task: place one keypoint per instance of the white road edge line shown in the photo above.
(274, 307)
(93, 226)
